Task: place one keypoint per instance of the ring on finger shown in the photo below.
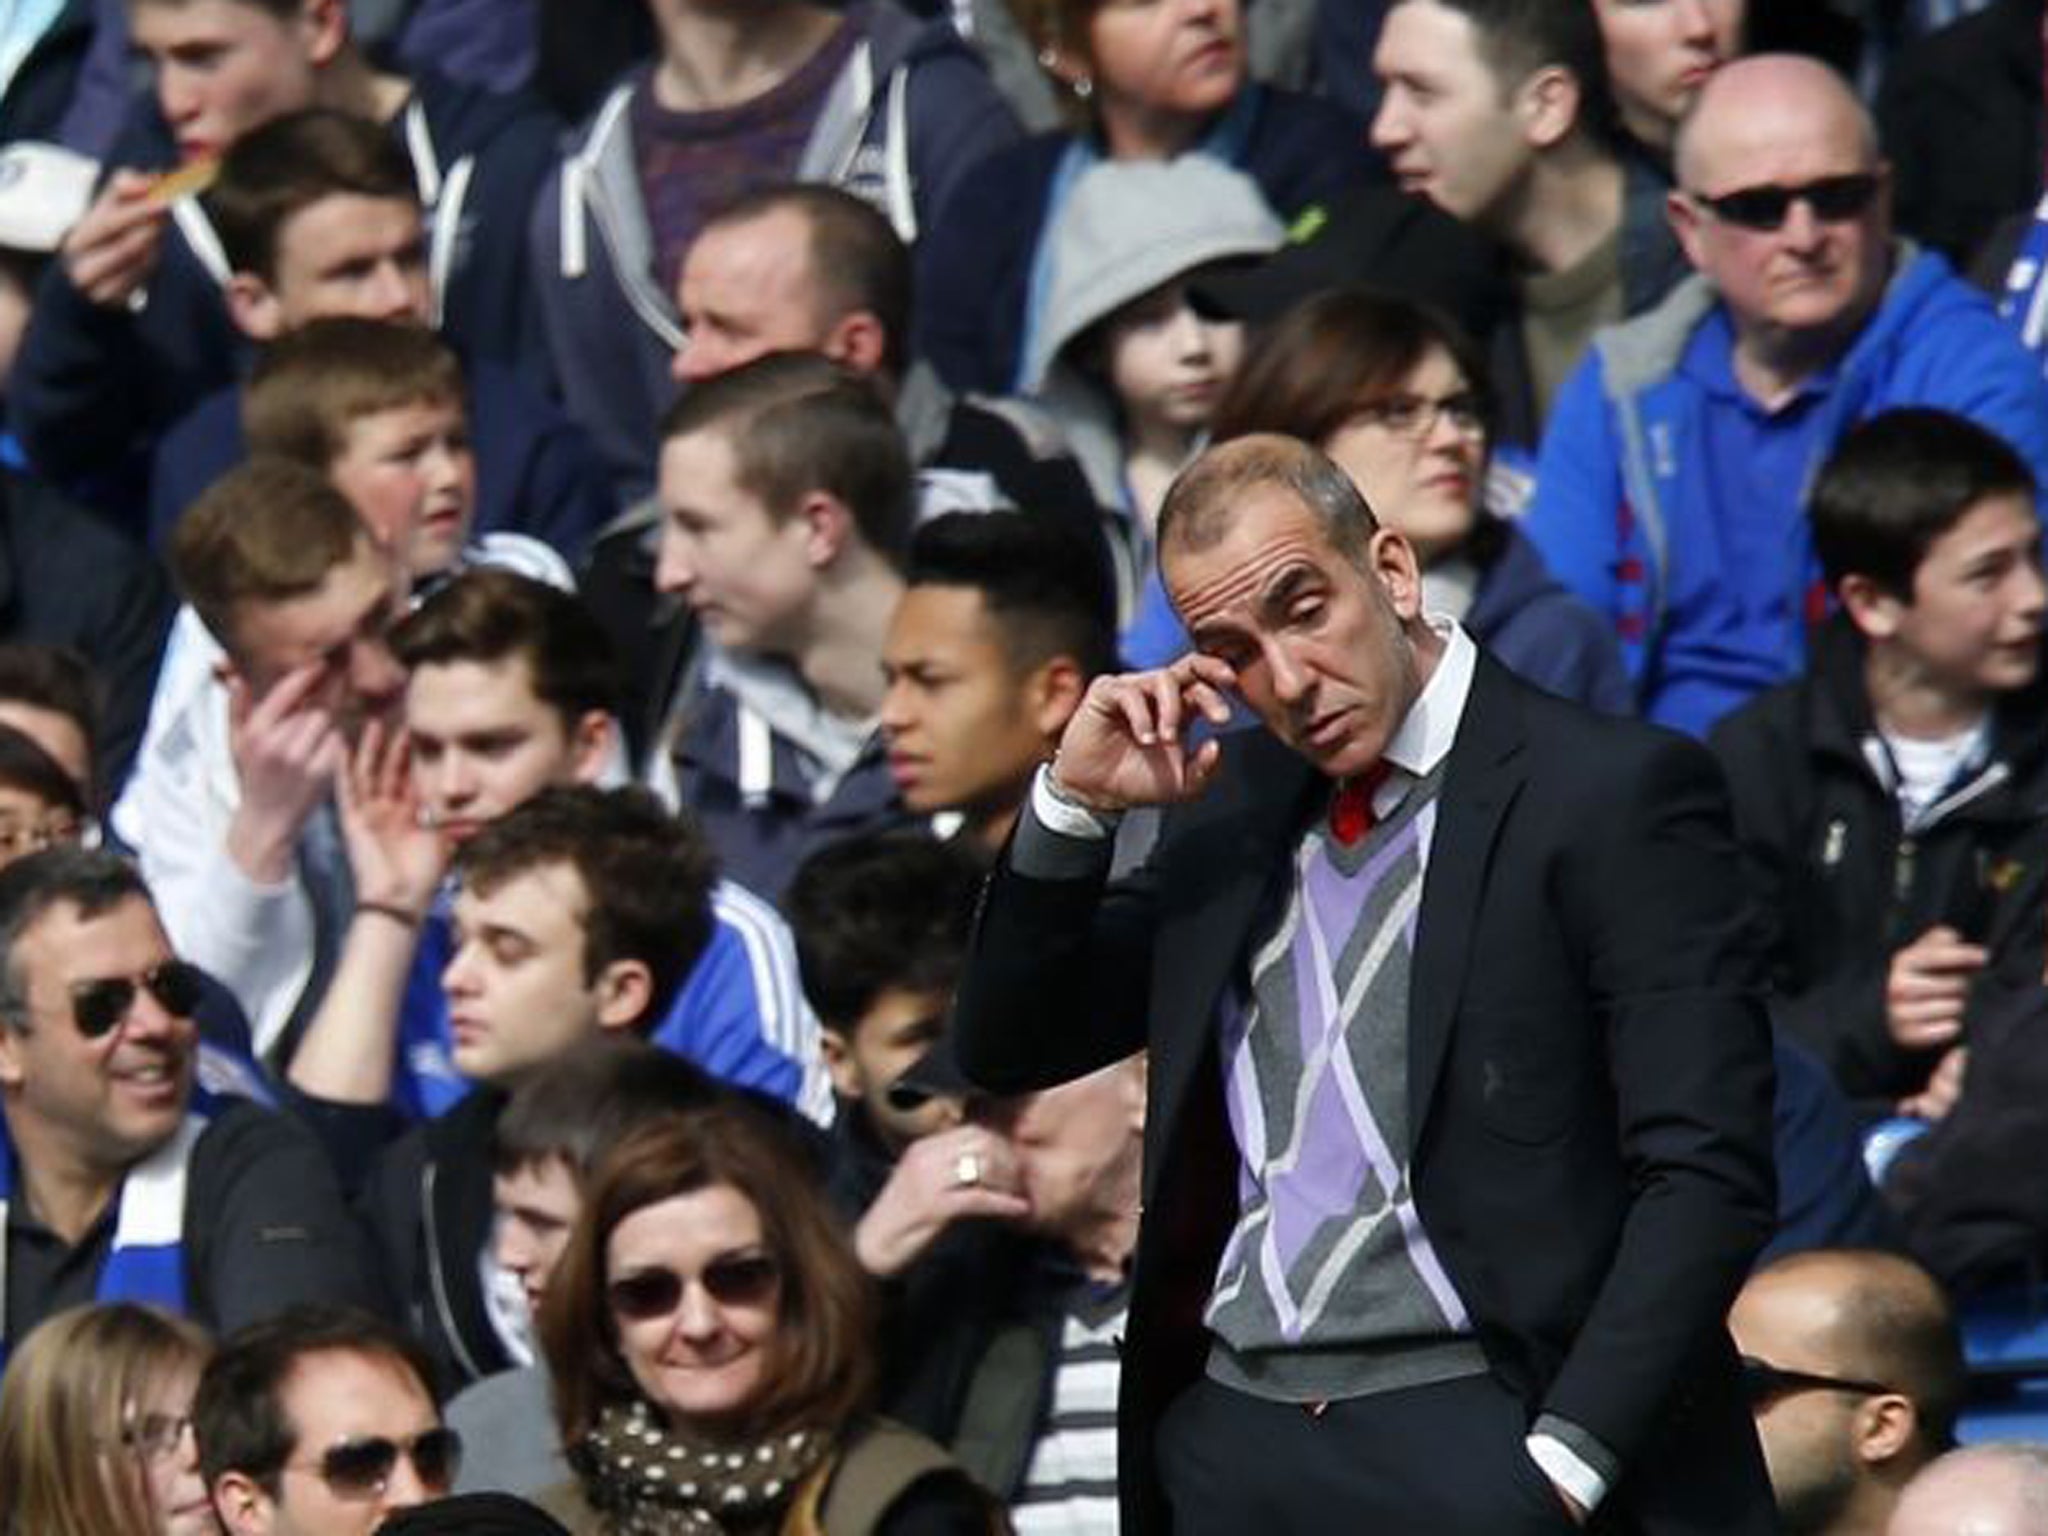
(967, 1170)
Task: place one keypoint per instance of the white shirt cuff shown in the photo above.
(1064, 816)
(1563, 1466)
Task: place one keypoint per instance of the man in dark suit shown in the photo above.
(1450, 982)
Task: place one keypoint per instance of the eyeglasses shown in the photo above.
(1832, 199)
(361, 1469)
(100, 1004)
(731, 1280)
(155, 1435)
(1416, 416)
(1764, 1383)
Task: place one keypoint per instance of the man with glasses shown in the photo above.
(1855, 1374)
(1672, 475)
(319, 1422)
(117, 1180)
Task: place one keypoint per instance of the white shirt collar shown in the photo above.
(1431, 724)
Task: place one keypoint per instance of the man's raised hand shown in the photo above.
(1127, 744)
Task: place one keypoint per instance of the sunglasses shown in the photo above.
(1764, 1383)
(731, 1280)
(97, 1006)
(361, 1469)
(1832, 199)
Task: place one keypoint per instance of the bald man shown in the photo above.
(1999, 1489)
(1670, 484)
(1854, 1374)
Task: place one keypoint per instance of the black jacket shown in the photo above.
(1843, 886)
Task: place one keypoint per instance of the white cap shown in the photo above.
(44, 189)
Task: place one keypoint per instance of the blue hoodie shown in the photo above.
(95, 386)
(1673, 503)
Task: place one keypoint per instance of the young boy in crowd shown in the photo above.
(510, 690)
(1005, 619)
(1887, 800)
(786, 493)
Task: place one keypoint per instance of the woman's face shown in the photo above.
(1423, 477)
(158, 1430)
(695, 1297)
(1173, 58)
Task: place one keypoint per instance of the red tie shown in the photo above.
(1351, 812)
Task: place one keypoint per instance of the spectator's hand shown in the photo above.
(930, 1189)
(1943, 1088)
(111, 251)
(1126, 744)
(287, 751)
(395, 860)
(1928, 986)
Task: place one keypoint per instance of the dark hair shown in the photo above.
(238, 1416)
(490, 615)
(312, 384)
(819, 1370)
(1196, 512)
(647, 876)
(798, 423)
(1046, 585)
(56, 678)
(856, 259)
(888, 910)
(1896, 483)
(592, 1097)
(1518, 37)
(92, 880)
(280, 167)
(27, 767)
(267, 531)
(1308, 373)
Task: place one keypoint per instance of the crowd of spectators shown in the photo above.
(545, 549)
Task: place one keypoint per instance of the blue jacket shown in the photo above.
(535, 470)
(94, 387)
(912, 109)
(1639, 513)
(976, 264)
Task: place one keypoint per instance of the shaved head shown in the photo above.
(1999, 1489)
(1765, 98)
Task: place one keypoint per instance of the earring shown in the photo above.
(1083, 88)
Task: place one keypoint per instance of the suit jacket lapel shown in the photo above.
(1480, 782)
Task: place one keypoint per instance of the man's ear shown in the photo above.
(1685, 219)
(858, 341)
(1547, 102)
(591, 742)
(625, 990)
(828, 526)
(12, 1071)
(1393, 561)
(253, 307)
(1874, 611)
(839, 1063)
(324, 28)
(1884, 1428)
(243, 1507)
(1053, 692)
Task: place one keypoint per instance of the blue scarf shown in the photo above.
(147, 1262)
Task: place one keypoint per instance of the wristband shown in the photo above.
(400, 915)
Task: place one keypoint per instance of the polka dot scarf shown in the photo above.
(651, 1481)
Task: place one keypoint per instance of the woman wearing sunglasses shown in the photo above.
(710, 1337)
(96, 1429)
(1398, 397)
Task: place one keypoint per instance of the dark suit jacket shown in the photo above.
(1589, 1074)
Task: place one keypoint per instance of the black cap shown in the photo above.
(1370, 236)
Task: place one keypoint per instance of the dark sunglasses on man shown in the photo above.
(361, 1469)
(731, 1280)
(1833, 199)
(98, 1005)
(1764, 1383)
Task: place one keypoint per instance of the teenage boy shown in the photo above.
(1005, 619)
(318, 218)
(786, 492)
(576, 915)
(229, 808)
(130, 327)
(510, 690)
(1887, 800)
